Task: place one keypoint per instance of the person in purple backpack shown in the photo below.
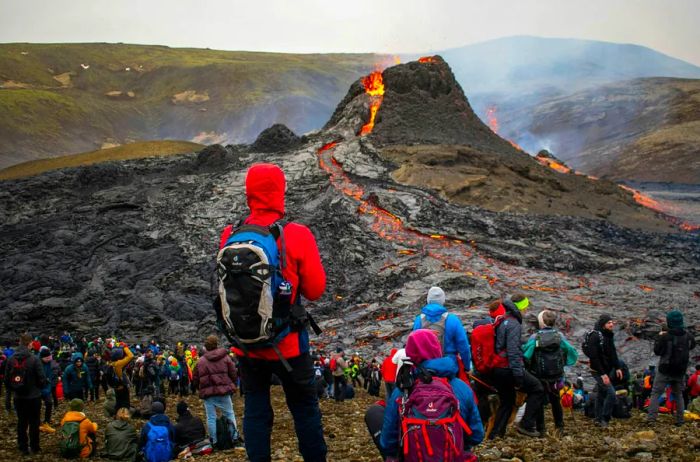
(431, 415)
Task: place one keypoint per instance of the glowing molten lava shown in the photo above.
(374, 87)
(492, 119)
(427, 59)
(553, 164)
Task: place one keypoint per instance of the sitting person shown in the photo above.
(110, 404)
(76, 422)
(121, 439)
(189, 428)
(157, 440)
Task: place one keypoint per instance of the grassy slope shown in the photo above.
(247, 92)
(128, 151)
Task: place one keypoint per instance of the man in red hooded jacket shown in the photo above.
(265, 187)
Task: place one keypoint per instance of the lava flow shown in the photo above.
(493, 125)
(374, 87)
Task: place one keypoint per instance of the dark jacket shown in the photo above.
(76, 379)
(663, 347)
(189, 429)
(34, 378)
(121, 441)
(160, 420)
(94, 368)
(603, 353)
(508, 338)
(215, 374)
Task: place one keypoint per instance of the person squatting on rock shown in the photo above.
(673, 347)
(24, 377)
(86, 431)
(431, 378)
(514, 377)
(215, 376)
(121, 439)
(451, 333)
(546, 353)
(604, 364)
(292, 363)
(157, 440)
(189, 428)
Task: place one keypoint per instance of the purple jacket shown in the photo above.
(215, 374)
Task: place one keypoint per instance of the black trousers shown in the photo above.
(505, 384)
(48, 407)
(339, 387)
(552, 395)
(28, 418)
(374, 419)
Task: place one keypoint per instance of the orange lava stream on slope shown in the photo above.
(374, 87)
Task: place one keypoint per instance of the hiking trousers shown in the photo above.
(677, 384)
(551, 395)
(503, 382)
(28, 418)
(299, 387)
(604, 399)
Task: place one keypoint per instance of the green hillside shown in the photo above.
(65, 98)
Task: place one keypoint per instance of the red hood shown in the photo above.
(264, 187)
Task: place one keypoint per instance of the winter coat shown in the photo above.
(663, 346)
(94, 368)
(121, 441)
(189, 429)
(87, 428)
(215, 374)
(455, 337)
(160, 420)
(440, 367)
(76, 379)
(51, 369)
(389, 368)
(508, 338)
(567, 349)
(110, 404)
(265, 185)
(34, 378)
(603, 357)
(120, 364)
(694, 384)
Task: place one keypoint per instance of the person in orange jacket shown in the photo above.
(88, 429)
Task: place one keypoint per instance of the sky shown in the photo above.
(316, 26)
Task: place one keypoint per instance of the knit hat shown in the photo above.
(674, 320)
(44, 352)
(76, 404)
(421, 345)
(181, 407)
(436, 295)
(157, 407)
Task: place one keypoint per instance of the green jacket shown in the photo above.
(571, 353)
(121, 441)
(110, 404)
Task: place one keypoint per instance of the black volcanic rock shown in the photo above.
(215, 156)
(274, 139)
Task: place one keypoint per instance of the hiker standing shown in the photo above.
(514, 377)
(451, 334)
(673, 347)
(303, 275)
(215, 377)
(546, 353)
(338, 366)
(25, 377)
(599, 346)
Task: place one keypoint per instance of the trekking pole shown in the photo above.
(481, 382)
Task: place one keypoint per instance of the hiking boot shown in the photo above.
(527, 432)
(46, 428)
(602, 424)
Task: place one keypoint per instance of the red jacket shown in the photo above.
(389, 368)
(694, 384)
(265, 185)
(215, 374)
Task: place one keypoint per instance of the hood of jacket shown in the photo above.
(433, 311)
(216, 355)
(121, 425)
(74, 416)
(513, 310)
(442, 367)
(264, 188)
(160, 420)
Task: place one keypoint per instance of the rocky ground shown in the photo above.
(348, 439)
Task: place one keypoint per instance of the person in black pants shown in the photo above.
(513, 377)
(27, 395)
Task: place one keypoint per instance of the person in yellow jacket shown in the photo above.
(119, 380)
(88, 429)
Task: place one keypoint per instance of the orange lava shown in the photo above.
(374, 87)
(427, 59)
(492, 119)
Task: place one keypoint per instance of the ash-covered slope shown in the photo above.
(127, 248)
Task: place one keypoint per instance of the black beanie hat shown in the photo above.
(181, 407)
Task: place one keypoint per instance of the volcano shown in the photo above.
(428, 195)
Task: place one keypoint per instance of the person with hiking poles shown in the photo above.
(265, 265)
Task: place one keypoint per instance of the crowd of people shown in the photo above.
(444, 392)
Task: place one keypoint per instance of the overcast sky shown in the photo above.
(391, 26)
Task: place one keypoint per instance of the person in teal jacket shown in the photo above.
(553, 352)
(453, 337)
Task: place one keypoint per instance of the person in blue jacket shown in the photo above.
(451, 333)
(76, 379)
(423, 349)
(158, 419)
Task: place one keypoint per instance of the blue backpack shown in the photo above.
(158, 448)
(249, 268)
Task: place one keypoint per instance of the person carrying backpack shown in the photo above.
(514, 377)
(546, 353)
(121, 439)
(431, 416)
(78, 433)
(599, 346)
(673, 347)
(157, 440)
(215, 377)
(116, 375)
(24, 378)
(287, 355)
(449, 328)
